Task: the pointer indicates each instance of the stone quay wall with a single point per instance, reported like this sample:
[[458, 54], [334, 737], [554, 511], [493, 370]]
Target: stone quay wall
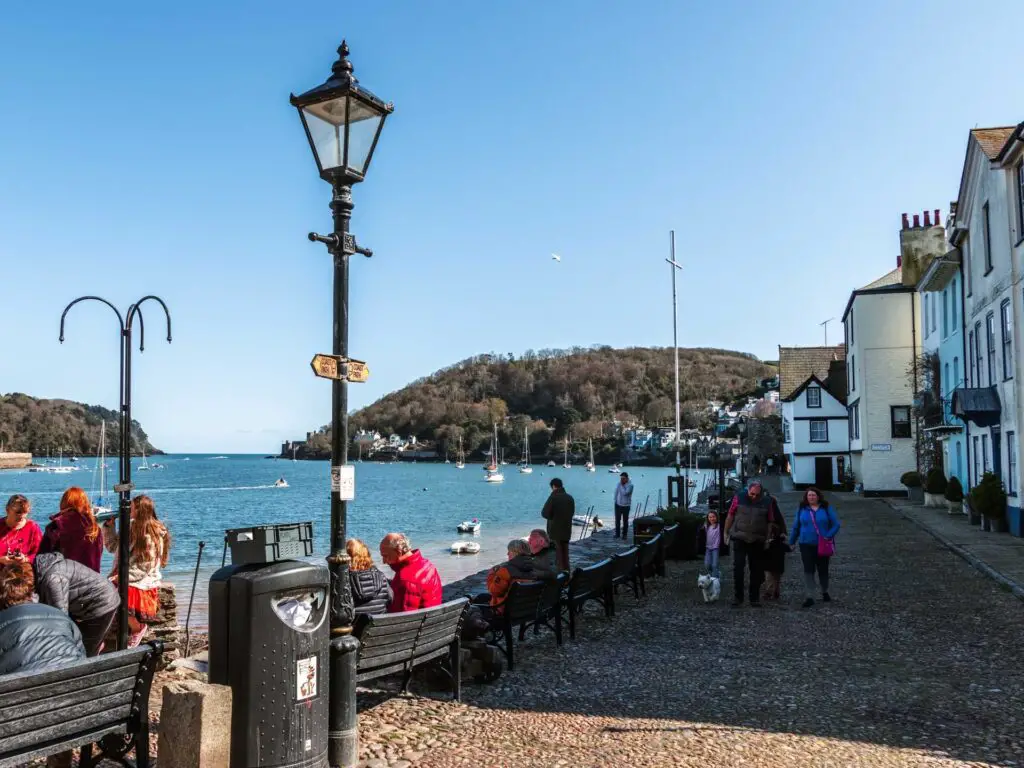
[[15, 460]]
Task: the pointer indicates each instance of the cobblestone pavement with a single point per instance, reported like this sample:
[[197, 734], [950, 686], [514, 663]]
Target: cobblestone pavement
[[916, 662]]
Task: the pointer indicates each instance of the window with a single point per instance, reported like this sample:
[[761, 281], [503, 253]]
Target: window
[[819, 431], [945, 313], [1020, 199], [856, 421], [926, 323], [853, 372], [814, 397], [977, 352], [977, 455], [984, 454], [1007, 324], [1011, 462], [934, 312], [956, 373], [849, 420], [851, 326], [900, 417], [944, 385], [965, 251], [972, 379], [954, 320], [986, 233], [786, 436], [959, 460], [990, 331]]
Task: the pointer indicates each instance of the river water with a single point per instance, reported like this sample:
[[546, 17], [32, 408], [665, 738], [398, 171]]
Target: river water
[[199, 496]]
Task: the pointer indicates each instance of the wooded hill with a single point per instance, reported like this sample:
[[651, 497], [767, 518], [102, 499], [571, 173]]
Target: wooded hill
[[555, 392], [30, 425]]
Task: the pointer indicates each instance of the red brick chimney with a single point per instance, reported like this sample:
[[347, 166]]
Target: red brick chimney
[[917, 221], [927, 218], [906, 222]]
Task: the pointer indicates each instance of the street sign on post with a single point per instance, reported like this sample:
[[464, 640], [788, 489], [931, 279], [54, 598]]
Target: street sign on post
[[340, 368]]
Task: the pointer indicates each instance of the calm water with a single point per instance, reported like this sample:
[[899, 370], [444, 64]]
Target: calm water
[[199, 496]]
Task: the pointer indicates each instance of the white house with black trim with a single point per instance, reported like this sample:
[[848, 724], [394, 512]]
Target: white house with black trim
[[816, 432]]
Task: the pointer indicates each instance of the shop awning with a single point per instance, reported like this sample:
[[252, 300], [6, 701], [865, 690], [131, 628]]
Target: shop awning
[[980, 405]]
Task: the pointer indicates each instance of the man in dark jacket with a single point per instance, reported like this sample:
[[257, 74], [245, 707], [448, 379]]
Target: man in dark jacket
[[748, 525], [33, 636], [89, 599], [544, 563], [558, 511]]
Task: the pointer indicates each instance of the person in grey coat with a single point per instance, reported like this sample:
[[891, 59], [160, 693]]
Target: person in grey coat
[[33, 637], [89, 599]]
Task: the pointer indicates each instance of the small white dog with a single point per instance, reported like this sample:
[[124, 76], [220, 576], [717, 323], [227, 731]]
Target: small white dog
[[710, 586]]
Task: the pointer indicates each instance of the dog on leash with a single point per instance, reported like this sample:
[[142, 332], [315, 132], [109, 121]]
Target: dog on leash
[[710, 587]]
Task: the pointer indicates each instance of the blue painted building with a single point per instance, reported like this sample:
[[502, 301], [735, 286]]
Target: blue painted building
[[942, 323]]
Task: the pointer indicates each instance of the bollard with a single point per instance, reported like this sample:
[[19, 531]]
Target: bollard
[[195, 725]]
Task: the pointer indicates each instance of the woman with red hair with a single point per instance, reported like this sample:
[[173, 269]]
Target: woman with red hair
[[149, 546], [73, 531]]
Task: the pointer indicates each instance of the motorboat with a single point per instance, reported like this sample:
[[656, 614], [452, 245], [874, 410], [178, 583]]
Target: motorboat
[[281, 483], [551, 463], [468, 526], [494, 477], [465, 548], [615, 469]]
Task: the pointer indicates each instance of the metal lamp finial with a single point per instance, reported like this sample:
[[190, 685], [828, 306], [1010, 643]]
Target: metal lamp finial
[[343, 67]]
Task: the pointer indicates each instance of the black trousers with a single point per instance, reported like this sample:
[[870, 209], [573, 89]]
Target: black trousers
[[622, 515], [747, 556], [94, 630]]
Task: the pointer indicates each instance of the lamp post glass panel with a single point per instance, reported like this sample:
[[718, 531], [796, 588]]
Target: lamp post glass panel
[[741, 428], [342, 121]]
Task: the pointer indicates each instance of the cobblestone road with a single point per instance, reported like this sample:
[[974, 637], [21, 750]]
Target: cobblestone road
[[916, 662]]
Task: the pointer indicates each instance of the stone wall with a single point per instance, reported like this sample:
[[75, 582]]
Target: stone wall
[[15, 460]]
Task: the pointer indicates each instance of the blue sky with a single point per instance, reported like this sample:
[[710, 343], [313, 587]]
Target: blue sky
[[154, 150]]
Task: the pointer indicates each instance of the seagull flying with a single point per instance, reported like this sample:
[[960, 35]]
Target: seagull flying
[[556, 257]]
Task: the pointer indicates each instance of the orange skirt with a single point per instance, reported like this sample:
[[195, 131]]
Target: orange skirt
[[144, 605]]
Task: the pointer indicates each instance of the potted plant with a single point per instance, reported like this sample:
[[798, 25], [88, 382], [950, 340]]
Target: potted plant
[[849, 481], [989, 498], [912, 481], [934, 488], [954, 496]]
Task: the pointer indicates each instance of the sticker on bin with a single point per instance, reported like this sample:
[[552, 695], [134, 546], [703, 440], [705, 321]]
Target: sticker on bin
[[305, 678], [343, 482]]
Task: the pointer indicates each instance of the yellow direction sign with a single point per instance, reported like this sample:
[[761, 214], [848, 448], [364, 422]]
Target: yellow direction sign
[[340, 368]]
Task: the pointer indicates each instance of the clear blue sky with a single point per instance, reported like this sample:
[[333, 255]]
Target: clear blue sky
[[154, 150]]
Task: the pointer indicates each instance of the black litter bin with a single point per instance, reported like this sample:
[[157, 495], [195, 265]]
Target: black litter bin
[[269, 639], [646, 528]]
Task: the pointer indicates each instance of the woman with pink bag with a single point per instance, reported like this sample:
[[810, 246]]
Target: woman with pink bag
[[815, 528]]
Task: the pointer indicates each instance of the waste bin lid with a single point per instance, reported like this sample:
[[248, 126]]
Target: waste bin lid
[[648, 520], [282, 575]]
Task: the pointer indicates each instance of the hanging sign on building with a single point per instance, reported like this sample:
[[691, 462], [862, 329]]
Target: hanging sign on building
[[881, 446]]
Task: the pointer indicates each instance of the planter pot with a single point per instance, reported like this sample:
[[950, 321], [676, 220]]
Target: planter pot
[[972, 515], [915, 494], [955, 507], [996, 524], [965, 508], [934, 500]]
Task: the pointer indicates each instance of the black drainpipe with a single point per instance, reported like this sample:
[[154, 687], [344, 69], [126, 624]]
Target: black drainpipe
[[913, 357]]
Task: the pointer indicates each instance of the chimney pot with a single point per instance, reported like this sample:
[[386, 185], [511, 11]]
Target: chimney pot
[[906, 222], [899, 261], [927, 218], [917, 221], [936, 217]]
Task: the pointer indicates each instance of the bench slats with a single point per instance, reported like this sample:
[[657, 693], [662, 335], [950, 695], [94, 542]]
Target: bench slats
[[34, 707], [41, 691], [122, 659], [373, 673], [119, 702], [18, 758], [67, 728]]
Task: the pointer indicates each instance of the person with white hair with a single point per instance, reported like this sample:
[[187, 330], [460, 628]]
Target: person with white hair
[[416, 583], [518, 567]]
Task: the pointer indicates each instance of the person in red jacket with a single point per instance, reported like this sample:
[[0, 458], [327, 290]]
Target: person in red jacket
[[416, 583]]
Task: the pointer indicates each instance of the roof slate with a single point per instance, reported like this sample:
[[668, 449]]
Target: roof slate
[[797, 364], [991, 140], [892, 278]]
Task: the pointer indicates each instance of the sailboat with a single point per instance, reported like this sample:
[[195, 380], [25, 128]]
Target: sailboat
[[565, 462], [60, 468], [460, 462], [144, 467], [100, 504], [590, 464], [493, 473], [524, 463]]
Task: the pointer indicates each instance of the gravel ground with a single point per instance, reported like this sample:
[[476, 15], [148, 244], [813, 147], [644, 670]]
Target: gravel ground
[[914, 663]]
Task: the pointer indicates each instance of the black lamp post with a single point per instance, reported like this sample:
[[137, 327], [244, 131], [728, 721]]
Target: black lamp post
[[741, 428], [124, 486], [342, 121]]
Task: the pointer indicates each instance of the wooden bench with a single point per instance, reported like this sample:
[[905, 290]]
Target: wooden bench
[[668, 539], [646, 561], [528, 604], [393, 643], [594, 582], [103, 700], [624, 571]]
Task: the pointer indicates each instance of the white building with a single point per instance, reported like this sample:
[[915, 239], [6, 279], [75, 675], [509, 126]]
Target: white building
[[883, 343], [816, 434], [987, 228]]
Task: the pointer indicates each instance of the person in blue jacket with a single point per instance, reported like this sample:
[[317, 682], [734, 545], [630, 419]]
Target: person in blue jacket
[[815, 520]]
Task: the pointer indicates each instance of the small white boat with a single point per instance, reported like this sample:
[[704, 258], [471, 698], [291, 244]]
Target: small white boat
[[524, 463], [62, 470], [144, 467], [615, 469], [281, 483], [465, 548], [460, 461], [565, 462], [591, 467], [551, 463], [468, 526], [493, 473], [494, 477]]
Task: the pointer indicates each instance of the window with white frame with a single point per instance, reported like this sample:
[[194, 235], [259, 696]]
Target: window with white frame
[[1006, 321], [985, 466], [965, 251], [986, 233], [977, 458], [900, 418], [853, 368], [856, 421], [814, 397], [1020, 199], [956, 374], [927, 324], [944, 385], [819, 431], [977, 352], [934, 312], [972, 377], [990, 331], [787, 436], [945, 312], [1011, 462]]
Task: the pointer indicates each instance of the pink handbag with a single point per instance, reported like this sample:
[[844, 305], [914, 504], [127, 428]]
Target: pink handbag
[[826, 547]]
